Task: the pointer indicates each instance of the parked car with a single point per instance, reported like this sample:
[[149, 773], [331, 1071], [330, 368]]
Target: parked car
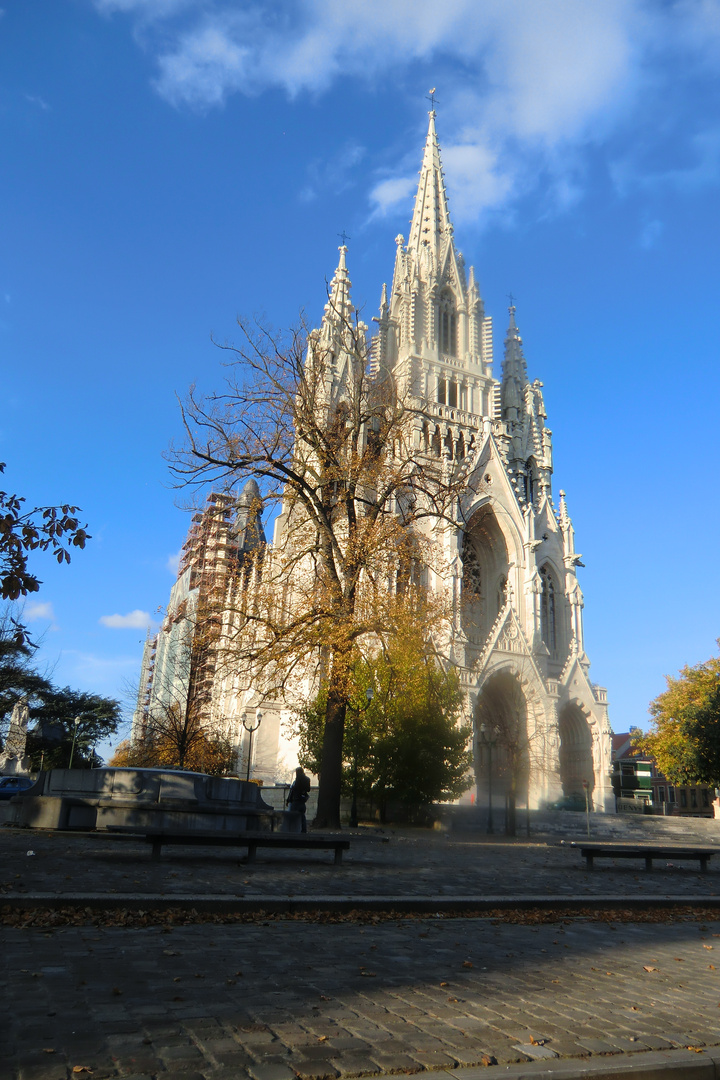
[[568, 802], [14, 785]]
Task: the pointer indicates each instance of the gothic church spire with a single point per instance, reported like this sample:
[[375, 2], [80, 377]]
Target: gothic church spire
[[430, 223], [514, 372]]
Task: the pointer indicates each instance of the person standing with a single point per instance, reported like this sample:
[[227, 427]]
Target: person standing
[[298, 796]]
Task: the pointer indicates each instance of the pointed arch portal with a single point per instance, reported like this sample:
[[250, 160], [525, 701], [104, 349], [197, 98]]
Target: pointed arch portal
[[576, 757], [502, 705]]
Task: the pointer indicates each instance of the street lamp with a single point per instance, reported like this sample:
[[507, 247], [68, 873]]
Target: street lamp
[[369, 694], [76, 721], [488, 739], [251, 728]]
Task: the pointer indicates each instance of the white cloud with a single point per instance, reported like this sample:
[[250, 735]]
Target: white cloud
[[525, 86], [134, 620], [35, 99], [173, 563], [36, 611], [651, 234]]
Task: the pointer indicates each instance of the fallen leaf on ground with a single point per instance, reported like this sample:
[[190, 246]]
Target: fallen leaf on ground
[[48, 1050], [81, 1069], [707, 946], [467, 963], [649, 967]]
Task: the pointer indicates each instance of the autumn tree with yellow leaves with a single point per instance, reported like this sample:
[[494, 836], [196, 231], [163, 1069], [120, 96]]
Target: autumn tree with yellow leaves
[[685, 729], [338, 450]]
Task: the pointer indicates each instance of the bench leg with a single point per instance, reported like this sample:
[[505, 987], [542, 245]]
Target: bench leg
[[648, 862], [338, 856], [156, 850]]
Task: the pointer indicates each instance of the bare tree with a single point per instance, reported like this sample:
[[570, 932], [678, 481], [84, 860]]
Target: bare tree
[[340, 449]]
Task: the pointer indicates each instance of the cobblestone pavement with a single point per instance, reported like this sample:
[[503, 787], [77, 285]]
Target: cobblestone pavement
[[419, 863], [281, 1000]]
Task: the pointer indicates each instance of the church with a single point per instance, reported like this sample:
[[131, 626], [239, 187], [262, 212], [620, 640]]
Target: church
[[510, 579]]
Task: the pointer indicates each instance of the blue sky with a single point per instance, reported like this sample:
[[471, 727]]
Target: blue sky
[[166, 165]]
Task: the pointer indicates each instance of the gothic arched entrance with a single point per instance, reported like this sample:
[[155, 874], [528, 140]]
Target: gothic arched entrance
[[485, 569], [576, 758], [502, 709]]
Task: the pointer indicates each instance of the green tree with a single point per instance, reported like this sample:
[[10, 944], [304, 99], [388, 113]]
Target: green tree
[[684, 737], [407, 744], [53, 714]]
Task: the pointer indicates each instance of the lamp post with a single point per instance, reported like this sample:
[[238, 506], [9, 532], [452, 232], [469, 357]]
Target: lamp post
[[76, 721], [251, 728], [487, 740], [369, 694]]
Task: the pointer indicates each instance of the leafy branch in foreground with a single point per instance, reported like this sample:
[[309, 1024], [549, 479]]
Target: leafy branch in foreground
[[53, 528]]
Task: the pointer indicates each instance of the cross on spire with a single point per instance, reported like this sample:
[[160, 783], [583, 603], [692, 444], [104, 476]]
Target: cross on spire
[[344, 237], [431, 98], [512, 299]]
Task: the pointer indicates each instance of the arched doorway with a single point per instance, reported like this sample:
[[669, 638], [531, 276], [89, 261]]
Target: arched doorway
[[576, 759], [503, 767], [485, 570]]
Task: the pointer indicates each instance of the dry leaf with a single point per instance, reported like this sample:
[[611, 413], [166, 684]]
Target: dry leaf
[[487, 1059], [81, 1069], [649, 967], [48, 1050], [176, 979], [707, 946], [467, 963], [634, 1008], [322, 1038], [695, 1049], [711, 967], [443, 984], [679, 959]]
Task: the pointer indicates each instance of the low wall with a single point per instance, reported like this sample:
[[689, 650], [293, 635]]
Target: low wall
[[139, 798]]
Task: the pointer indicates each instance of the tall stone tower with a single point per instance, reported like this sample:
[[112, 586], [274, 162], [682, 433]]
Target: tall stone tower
[[517, 638]]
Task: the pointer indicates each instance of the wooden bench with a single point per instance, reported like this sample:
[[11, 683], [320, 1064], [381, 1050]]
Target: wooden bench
[[648, 852], [251, 840]]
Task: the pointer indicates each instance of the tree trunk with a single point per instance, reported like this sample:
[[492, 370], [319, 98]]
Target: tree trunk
[[329, 790]]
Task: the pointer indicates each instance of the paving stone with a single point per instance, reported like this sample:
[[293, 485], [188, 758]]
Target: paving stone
[[535, 1053], [270, 1072]]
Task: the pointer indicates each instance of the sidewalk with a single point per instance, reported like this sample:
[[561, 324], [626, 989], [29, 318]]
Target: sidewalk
[[281, 999]]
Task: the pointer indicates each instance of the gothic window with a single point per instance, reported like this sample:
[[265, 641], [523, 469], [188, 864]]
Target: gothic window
[[452, 395], [460, 447], [529, 479], [449, 442], [436, 442], [501, 595], [425, 435], [442, 391], [448, 324], [547, 611]]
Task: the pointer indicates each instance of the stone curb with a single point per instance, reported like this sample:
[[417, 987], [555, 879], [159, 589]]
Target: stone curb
[[427, 905], [648, 1065]]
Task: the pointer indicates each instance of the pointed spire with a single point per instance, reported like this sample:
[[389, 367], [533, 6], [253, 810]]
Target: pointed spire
[[514, 371], [338, 310], [431, 217]]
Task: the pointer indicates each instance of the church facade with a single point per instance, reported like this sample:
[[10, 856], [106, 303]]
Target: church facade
[[510, 576]]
